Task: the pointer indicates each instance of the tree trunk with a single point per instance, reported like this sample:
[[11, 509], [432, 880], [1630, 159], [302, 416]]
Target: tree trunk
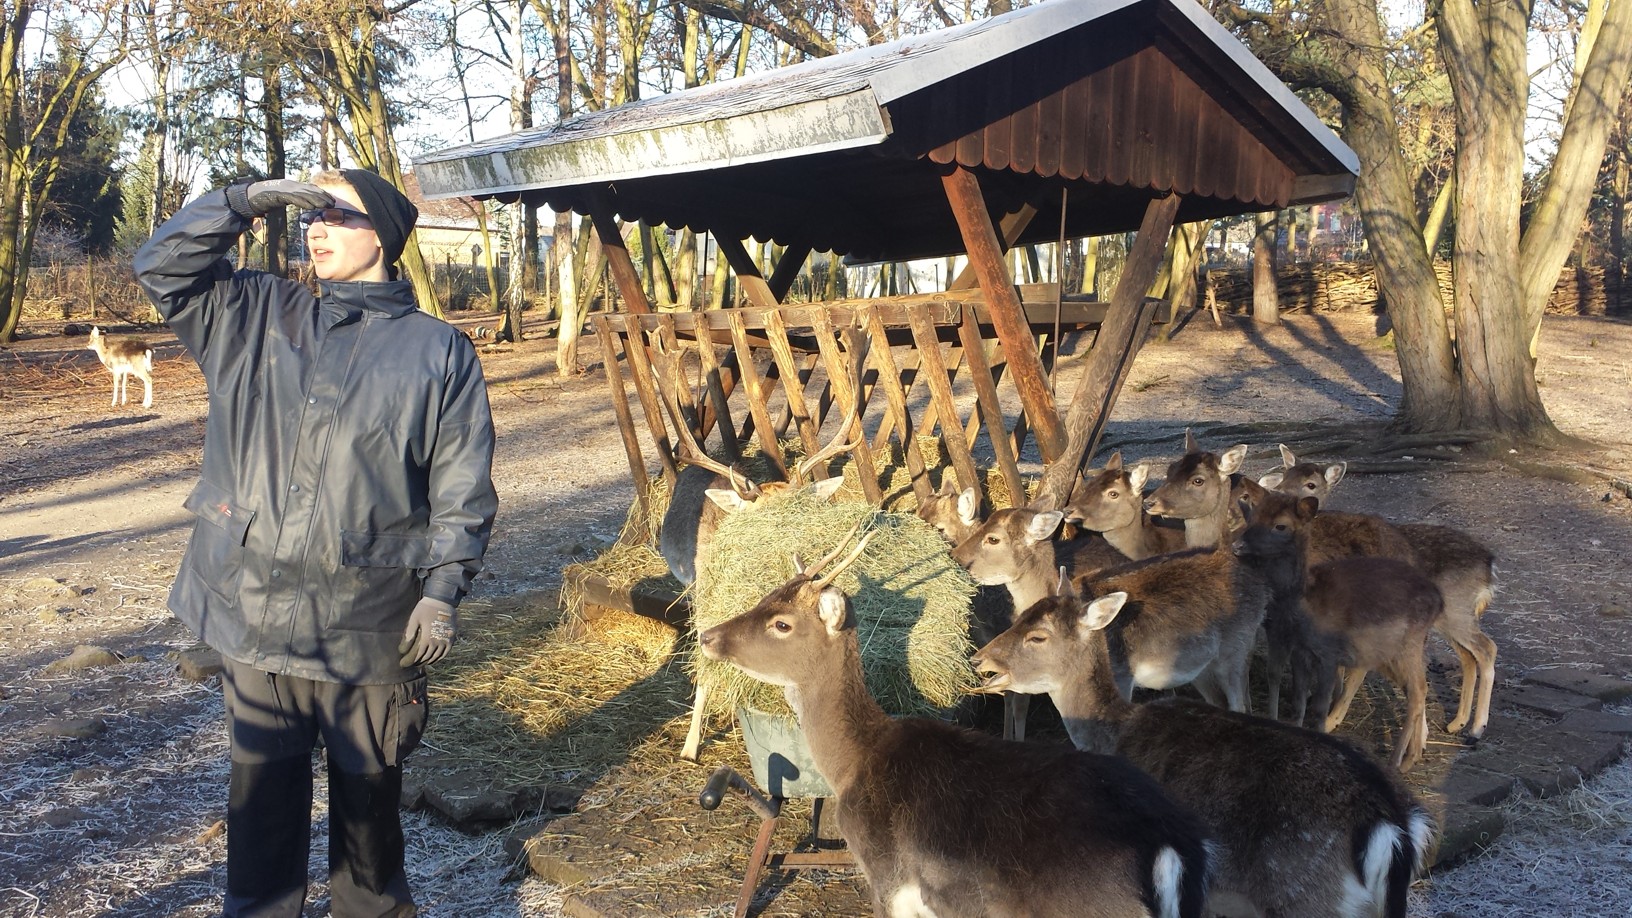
[[277, 219], [1266, 304]]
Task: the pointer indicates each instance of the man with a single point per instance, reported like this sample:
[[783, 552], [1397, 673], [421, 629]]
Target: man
[[343, 508]]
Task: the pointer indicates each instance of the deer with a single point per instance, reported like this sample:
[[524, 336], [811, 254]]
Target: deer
[[1112, 503], [124, 358], [949, 822], [1015, 548], [705, 492], [1461, 566], [953, 513], [1307, 824], [1198, 491]]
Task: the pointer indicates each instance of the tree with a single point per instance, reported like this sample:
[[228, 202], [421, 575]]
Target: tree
[[39, 100]]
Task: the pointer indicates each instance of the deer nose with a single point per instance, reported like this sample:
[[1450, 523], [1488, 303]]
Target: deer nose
[[709, 643]]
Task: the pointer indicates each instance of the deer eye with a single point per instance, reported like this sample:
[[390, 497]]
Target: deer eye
[[1280, 527], [1308, 486], [1037, 637], [993, 540], [1198, 481], [1113, 495], [782, 626]]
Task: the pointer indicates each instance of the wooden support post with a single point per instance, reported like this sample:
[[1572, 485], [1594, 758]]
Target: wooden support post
[[1012, 226], [1110, 360], [787, 269], [617, 256], [678, 390], [759, 293], [757, 407], [610, 345], [1003, 303], [940, 391]]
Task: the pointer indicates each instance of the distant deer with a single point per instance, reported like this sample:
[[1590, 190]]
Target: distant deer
[[705, 492], [1462, 567], [1198, 491], [952, 823], [1015, 548], [953, 513], [1112, 504], [124, 358], [1307, 824]]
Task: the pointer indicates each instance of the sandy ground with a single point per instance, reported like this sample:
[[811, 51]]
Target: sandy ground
[[113, 778]]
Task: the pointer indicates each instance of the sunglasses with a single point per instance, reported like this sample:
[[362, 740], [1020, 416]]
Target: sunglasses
[[331, 216]]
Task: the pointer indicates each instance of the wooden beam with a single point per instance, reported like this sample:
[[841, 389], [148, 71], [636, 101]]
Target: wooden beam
[[896, 395], [1114, 349], [793, 382], [747, 271], [940, 392], [1012, 225], [617, 256], [757, 408], [610, 345], [640, 368], [787, 269], [719, 398], [1008, 317], [987, 402]]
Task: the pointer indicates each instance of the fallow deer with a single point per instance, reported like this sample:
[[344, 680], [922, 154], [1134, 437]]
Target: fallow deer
[[124, 358], [1112, 504], [1307, 824], [1015, 548], [951, 823], [955, 514], [1198, 491], [1303, 479]]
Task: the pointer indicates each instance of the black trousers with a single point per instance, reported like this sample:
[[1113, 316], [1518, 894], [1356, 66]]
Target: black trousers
[[275, 722]]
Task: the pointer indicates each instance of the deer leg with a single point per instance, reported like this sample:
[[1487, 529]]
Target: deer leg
[[1477, 653], [1206, 682], [694, 735], [1411, 675], [147, 390], [1353, 678], [115, 402]]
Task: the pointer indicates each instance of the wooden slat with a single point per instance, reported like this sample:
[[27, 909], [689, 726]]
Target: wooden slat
[[611, 344], [1023, 122], [1050, 117], [793, 382], [641, 369], [1114, 349], [949, 366], [986, 398], [883, 357], [617, 256], [679, 390], [1097, 130], [968, 206], [998, 99], [842, 371], [1073, 148], [1124, 89], [940, 392], [758, 404], [747, 271], [718, 398], [907, 374], [787, 269]]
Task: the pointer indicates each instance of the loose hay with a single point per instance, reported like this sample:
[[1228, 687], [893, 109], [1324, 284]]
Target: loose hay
[[911, 601]]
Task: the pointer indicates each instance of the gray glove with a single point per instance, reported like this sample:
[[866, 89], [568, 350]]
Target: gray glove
[[432, 627], [256, 198]]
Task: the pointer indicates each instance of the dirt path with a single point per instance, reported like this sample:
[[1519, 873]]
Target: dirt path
[[113, 778]]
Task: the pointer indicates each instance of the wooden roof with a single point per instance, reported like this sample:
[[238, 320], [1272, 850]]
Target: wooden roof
[[1104, 103]]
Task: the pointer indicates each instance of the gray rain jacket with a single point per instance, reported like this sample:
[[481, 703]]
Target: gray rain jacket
[[347, 458]]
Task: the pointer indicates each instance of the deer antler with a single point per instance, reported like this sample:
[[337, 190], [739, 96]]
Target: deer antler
[[811, 571], [827, 578], [837, 445], [689, 450]]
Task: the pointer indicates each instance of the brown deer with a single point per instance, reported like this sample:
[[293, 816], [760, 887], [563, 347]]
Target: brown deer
[[1307, 824], [1381, 611], [1304, 479], [705, 492], [124, 358], [945, 821], [1197, 490], [1015, 548], [1112, 504], [1462, 567], [955, 514]]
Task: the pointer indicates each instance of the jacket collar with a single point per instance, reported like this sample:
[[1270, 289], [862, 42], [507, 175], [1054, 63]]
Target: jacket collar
[[347, 301]]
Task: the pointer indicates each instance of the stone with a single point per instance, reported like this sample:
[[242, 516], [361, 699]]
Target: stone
[[1468, 831], [195, 664], [1604, 687], [1468, 785], [1596, 722], [1548, 760], [85, 656], [72, 728], [1549, 701]]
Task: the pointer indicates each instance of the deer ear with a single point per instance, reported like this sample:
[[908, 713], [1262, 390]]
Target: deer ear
[[825, 489], [1042, 525], [968, 507], [1308, 507], [1064, 588], [833, 609], [727, 499], [1334, 473], [1138, 477], [949, 487], [1115, 462], [1190, 445], [1230, 462], [1288, 459], [1273, 479], [1102, 611]]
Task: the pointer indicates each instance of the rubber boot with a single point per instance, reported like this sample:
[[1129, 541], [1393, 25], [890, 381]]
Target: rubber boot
[[269, 818], [366, 847]]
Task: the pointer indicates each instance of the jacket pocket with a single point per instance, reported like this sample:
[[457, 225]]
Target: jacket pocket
[[215, 555], [378, 581], [384, 549]]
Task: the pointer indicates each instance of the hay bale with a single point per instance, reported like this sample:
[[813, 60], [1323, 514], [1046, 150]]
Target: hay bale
[[911, 601]]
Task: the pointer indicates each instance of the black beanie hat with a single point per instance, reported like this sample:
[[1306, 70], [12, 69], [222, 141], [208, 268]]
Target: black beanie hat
[[392, 214]]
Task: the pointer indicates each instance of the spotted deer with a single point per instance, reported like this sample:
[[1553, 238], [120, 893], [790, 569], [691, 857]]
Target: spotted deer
[[1112, 504], [952, 823], [124, 358], [1198, 491], [1307, 824], [1460, 565]]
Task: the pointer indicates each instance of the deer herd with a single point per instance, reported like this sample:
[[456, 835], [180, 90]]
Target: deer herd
[[1166, 807]]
